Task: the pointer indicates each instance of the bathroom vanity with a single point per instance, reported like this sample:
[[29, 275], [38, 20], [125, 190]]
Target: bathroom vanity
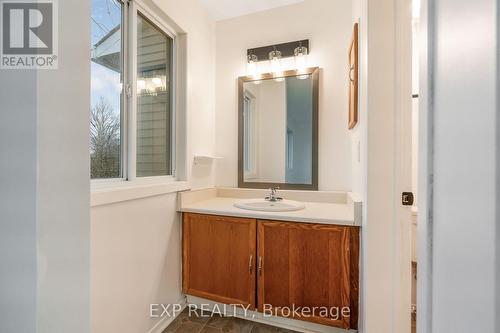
[[290, 254], [274, 260]]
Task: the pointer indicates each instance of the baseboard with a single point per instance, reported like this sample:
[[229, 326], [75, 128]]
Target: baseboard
[[163, 323], [286, 323]]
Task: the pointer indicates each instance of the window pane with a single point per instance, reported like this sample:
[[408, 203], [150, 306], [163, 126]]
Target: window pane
[[106, 89], [154, 111]]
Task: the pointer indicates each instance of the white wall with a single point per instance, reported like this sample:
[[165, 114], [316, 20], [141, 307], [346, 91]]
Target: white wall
[[460, 96], [44, 191], [189, 17], [136, 260], [358, 133], [136, 244], [327, 24], [18, 178], [359, 136], [63, 182]]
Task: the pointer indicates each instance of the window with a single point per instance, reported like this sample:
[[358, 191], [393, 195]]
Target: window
[[125, 121], [289, 149], [154, 77], [249, 136], [106, 89]]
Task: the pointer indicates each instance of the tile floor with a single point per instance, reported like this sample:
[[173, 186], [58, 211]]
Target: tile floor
[[185, 323]]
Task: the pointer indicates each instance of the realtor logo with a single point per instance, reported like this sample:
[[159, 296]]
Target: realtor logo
[[28, 34]]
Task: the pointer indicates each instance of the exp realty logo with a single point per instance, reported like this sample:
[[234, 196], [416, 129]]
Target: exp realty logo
[[28, 34]]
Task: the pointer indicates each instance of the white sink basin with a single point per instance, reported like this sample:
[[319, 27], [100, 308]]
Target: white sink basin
[[270, 206]]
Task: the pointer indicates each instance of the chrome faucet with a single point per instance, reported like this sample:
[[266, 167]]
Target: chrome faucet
[[273, 195]]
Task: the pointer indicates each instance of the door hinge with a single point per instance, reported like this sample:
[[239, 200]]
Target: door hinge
[[407, 199]]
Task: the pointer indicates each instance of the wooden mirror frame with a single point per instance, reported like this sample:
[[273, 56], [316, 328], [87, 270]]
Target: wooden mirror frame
[[314, 72]]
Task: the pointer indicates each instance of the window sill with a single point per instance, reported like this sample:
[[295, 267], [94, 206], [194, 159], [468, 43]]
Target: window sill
[[120, 191]]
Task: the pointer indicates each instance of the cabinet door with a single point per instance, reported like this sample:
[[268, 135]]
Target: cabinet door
[[308, 266], [219, 258]]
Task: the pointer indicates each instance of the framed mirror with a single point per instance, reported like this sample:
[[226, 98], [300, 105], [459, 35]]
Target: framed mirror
[[278, 130]]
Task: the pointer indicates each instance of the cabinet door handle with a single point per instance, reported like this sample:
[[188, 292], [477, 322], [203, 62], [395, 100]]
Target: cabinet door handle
[[250, 264], [260, 265]]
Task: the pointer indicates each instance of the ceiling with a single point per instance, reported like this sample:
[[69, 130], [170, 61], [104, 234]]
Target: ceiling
[[225, 9]]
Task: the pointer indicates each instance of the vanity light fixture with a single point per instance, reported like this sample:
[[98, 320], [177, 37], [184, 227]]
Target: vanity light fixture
[[274, 53]]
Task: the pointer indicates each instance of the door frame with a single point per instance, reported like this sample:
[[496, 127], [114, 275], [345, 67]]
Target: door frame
[[425, 162], [425, 166], [403, 166], [385, 106]]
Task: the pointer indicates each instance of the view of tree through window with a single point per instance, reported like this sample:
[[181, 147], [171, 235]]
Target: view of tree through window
[[106, 89]]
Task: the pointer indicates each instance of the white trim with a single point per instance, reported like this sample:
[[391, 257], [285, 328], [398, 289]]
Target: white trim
[[163, 323], [124, 100], [181, 114], [103, 184], [286, 323], [132, 100], [126, 191], [153, 16]]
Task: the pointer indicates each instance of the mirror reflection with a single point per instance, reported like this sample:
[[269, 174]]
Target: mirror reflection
[[278, 130]]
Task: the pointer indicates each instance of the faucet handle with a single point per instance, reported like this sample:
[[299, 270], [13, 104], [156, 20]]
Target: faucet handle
[[272, 195]]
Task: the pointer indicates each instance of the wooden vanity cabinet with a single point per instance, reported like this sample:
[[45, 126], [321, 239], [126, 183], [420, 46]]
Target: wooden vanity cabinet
[[273, 265], [313, 266], [219, 258]]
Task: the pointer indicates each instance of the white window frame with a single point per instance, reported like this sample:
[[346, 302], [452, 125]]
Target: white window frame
[[128, 132], [252, 154]]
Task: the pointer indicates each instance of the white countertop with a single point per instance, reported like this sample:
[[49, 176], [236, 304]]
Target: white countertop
[[329, 208]]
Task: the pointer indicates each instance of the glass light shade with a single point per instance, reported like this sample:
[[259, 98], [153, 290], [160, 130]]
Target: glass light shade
[[251, 69], [300, 54], [275, 58], [252, 65]]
